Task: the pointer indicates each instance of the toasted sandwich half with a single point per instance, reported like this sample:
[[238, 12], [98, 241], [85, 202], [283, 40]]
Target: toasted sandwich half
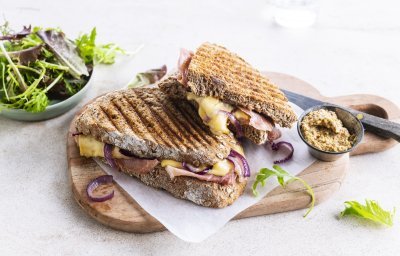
[[162, 142], [229, 93]]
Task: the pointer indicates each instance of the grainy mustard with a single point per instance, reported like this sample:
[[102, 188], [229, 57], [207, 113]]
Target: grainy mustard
[[325, 131]]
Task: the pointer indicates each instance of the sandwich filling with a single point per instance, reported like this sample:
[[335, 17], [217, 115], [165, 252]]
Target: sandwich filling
[[216, 114], [223, 172]]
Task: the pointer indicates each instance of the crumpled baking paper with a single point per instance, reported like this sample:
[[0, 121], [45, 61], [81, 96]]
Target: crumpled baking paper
[[194, 223]]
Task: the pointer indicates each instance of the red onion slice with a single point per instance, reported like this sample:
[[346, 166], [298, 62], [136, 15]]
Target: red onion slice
[[194, 169], [242, 160], [277, 146], [76, 133], [235, 122], [108, 155], [238, 167], [274, 134], [102, 180]]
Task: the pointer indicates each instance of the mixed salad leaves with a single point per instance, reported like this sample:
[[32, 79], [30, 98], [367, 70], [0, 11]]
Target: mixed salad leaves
[[39, 65]]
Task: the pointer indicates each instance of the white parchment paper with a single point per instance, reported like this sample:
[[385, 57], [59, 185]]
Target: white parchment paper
[[194, 223]]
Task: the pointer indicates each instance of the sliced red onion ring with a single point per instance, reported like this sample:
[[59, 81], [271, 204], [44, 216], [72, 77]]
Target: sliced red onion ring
[[235, 122], [277, 146], [238, 167], [242, 161], [129, 154], [102, 180], [274, 134], [194, 169], [108, 155], [76, 133]]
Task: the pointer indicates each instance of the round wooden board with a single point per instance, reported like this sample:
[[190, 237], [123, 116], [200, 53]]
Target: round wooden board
[[123, 213]]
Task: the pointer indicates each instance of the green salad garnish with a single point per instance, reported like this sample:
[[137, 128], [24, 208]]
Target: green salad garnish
[[38, 66], [371, 211], [284, 178]]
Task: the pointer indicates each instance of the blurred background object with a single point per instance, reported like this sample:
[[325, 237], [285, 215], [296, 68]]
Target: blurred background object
[[295, 13]]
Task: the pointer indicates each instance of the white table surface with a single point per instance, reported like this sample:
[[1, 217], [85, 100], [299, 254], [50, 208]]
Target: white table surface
[[353, 48]]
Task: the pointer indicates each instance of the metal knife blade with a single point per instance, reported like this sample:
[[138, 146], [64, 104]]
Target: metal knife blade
[[377, 125], [302, 101]]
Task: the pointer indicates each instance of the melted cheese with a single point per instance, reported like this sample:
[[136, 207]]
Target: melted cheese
[[209, 111], [240, 115], [172, 163], [219, 169], [90, 147], [237, 147]]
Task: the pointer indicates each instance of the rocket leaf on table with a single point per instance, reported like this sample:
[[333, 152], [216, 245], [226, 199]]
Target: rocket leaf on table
[[371, 211]]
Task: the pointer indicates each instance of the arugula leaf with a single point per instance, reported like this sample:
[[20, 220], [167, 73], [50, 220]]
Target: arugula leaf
[[95, 54], [86, 44], [106, 53], [371, 211], [284, 178], [20, 79]]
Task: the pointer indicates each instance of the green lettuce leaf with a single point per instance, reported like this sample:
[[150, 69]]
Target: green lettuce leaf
[[371, 211], [284, 178], [94, 54]]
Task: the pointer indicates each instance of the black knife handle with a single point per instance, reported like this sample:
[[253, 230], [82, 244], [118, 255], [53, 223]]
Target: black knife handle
[[377, 125]]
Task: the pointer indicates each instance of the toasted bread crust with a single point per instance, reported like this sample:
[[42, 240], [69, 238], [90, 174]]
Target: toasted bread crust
[[215, 71], [256, 136], [150, 124], [200, 192]]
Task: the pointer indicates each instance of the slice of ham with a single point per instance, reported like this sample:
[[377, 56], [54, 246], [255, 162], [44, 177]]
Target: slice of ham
[[223, 180], [136, 165], [185, 57], [258, 121]]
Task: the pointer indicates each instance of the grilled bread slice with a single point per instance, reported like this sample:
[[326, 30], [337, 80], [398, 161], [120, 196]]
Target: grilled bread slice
[[215, 71], [150, 124]]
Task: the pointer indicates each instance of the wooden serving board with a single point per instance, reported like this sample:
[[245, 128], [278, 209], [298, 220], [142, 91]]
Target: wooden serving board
[[123, 213]]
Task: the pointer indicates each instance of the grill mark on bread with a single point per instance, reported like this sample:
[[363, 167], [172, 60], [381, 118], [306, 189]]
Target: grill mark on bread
[[147, 121], [255, 91], [117, 102], [189, 130], [194, 143], [105, 116], [177, 125], [138, 128], [120, 118], [215, 71], [167, 128], [198, 126]]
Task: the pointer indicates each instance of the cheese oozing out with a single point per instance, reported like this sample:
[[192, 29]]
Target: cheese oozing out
[[210, 111], [221, 168], [90, 147]]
